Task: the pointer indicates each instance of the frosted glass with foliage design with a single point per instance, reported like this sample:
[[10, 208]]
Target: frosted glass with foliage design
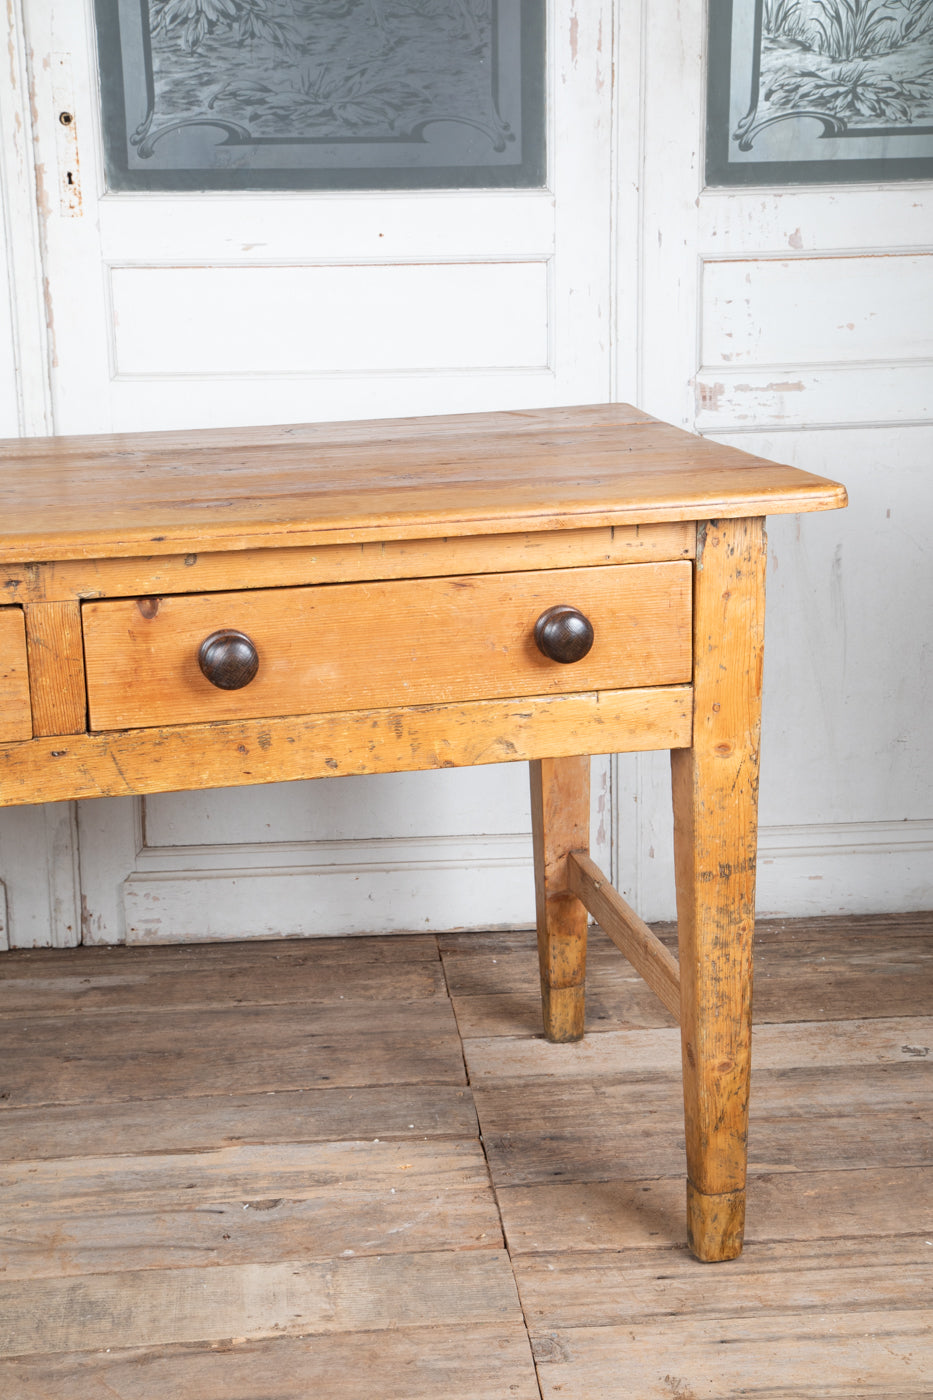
[[819, 90], [322, 93]]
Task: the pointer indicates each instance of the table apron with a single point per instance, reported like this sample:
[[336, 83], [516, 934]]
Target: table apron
[[238, 752]]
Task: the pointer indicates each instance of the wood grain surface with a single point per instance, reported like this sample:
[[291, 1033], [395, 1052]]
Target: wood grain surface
[[812, 977], [15, 719], [631, 935], [402, 1363], [345, 563], [223, 1175], [806, 1355], [715, 792], [235, 752], [560, 824], [384, 644], [139, 1307], [56, 668], [541, 469]]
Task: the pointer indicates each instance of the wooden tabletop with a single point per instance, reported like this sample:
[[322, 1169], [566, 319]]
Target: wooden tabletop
[[406, 478]]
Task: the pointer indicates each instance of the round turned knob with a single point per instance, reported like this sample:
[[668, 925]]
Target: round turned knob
[[564, 634], [228, 659]]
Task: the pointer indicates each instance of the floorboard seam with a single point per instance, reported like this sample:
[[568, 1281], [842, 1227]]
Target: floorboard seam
[[492, 1184]]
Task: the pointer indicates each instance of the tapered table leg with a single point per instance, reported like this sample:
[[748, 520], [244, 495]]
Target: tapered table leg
[[560, 820], [715, 790]]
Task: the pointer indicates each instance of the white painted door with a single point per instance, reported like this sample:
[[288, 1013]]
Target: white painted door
[[201, 309], [794, 322]]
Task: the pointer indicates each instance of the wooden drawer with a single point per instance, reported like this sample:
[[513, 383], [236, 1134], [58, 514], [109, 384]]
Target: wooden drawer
[[15, 717], [383, 645]]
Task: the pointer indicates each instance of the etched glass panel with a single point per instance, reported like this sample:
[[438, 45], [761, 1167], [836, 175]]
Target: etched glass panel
[[322, 94], [807, 91]]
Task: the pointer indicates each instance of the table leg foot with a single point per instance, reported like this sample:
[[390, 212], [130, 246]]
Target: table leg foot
[[563, 1010], [715, 1224]]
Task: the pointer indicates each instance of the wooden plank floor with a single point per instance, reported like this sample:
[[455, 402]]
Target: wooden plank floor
[[351, 1169]]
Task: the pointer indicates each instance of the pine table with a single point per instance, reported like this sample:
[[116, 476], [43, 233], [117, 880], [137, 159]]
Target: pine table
[[202, 609]]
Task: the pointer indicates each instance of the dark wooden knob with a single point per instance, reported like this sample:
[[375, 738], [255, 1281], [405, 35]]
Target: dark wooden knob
[[564, 634], [228, 659]]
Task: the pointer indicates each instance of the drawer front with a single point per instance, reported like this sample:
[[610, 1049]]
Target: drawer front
[[15, 716], [384, 645]]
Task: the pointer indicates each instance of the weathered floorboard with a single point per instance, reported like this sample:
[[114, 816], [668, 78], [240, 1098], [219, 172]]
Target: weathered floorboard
[[609, 1288], [895, 1041], [61, 984], [113, 1057], [818, 1355], [242, 1174], [199, 1123], [245, 1205], [608, 1215], [148, 1306], [542, 1129], [413, 1363], [195, 1229], [805, 970], [286, 1195]]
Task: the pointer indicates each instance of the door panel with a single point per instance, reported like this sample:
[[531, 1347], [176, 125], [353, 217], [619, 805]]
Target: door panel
[[226, 308], [336, 856], [259, 320], [171, 310], [794, 323]]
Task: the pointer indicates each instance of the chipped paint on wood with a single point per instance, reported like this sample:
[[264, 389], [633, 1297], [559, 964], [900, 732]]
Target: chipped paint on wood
[[27, 408], [66, 137]]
